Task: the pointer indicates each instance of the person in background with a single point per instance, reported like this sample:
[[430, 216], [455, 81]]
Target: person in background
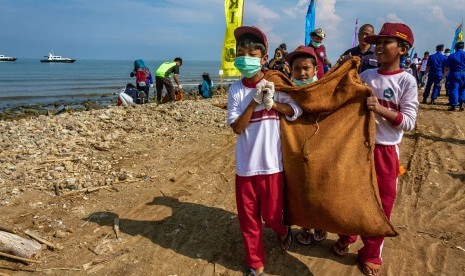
[[143, 76], [279, 63], [395, 104], [447, 80], [283, 48], [316, 43], [365, 51], [435, 71], [254, 111], [455, 68], [303, 71], [206, 88], [163, 78], [422, 68]]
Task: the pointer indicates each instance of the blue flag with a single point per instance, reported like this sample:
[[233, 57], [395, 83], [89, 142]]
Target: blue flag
[[458, 36], [310, 21]]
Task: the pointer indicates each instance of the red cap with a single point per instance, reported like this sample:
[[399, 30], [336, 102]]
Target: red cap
[[301, 50], [240, 31], [396, 30]]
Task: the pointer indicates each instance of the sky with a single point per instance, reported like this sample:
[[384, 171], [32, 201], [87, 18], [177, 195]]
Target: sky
[[194, 29]]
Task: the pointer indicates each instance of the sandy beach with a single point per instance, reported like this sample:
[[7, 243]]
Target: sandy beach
[[168, 175]]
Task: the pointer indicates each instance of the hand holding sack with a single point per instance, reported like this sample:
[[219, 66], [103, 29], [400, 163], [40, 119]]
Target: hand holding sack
[[268, 94]]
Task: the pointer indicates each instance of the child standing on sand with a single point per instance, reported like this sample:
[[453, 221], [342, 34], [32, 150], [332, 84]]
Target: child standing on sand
[[254, 109], [303, 63], [395, 104]]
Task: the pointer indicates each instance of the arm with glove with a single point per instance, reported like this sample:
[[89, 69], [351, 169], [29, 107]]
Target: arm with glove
[[267, 89]]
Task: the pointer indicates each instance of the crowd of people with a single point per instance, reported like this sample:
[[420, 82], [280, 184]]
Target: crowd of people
[[254, 109]]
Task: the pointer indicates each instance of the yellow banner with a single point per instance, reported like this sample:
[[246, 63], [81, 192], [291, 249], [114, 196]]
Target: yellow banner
[[233, 10]]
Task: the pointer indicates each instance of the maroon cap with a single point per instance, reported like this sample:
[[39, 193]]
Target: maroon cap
[[301, 51], [396, 30], [240, 31]]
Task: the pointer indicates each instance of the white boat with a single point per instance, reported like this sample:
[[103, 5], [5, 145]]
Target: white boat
[[53, 58], [4, 58]]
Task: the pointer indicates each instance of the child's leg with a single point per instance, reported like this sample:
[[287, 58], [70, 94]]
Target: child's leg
[[387, 168], [270, 195], [250, 221]]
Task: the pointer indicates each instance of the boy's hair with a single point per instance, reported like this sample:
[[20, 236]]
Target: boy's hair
[[365, 26], [178, 59], [251, 42], [252, 38], [403, 43]]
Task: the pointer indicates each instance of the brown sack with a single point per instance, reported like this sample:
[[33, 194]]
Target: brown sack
[[328, 155], [178, 96]]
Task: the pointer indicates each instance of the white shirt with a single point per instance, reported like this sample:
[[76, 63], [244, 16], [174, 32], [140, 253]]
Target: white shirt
[[398, 92], [258, 148]]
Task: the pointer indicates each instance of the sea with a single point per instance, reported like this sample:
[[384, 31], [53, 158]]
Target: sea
[[30, 82]]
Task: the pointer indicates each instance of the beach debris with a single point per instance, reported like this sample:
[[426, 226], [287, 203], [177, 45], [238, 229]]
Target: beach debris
[[116, 227], [61, 109], [18, 246], [38, 238], [460, 248], [9, 228]]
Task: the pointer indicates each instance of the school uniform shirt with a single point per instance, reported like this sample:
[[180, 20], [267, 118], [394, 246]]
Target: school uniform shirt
[[398, 92], [424, 62], [258, 148], [368, 59]]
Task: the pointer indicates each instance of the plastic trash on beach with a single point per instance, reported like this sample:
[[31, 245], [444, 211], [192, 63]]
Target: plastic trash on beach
[[125, 100], [60, 110]]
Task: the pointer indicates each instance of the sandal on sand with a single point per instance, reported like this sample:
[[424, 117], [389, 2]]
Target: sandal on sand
[[341, 249], [320, 235], [371, 269], [288, 240], [304, 236], [252, 272]]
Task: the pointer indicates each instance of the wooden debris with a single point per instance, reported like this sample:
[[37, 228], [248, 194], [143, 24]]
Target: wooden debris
[[116, 227], [36, 236], [7, 228], [26, 260], [88, 265], [19, 246]]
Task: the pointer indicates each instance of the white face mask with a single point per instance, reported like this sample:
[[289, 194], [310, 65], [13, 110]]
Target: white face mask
[[305, 82], [447, 54]]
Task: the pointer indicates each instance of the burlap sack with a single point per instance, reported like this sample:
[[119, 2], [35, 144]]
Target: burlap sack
[[328, 155], [178, 96]]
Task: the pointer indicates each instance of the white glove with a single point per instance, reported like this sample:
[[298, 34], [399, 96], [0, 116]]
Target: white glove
[[258, 97], [151, 85], [180, 86], [268, 94]]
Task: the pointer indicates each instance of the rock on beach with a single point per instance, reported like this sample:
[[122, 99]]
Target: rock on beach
[[64, 151]]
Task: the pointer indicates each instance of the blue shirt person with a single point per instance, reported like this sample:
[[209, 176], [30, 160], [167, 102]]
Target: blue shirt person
[[435, 69], [455, 66], [206, 88]]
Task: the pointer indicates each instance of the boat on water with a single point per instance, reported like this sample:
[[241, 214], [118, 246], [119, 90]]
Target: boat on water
[[53, 58], [4, 58]]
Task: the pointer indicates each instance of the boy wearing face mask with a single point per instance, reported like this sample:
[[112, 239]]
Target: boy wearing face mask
[[303, 63], [254, 109]]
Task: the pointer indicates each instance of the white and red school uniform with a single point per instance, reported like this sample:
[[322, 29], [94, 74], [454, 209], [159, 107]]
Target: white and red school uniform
[[259, 168], [398, 92]]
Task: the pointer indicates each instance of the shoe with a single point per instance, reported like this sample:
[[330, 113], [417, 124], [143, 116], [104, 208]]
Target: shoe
[[432, 102], [452, 108], [424, 101], [461, 108]]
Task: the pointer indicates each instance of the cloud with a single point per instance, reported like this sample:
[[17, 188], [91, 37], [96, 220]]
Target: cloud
[[297, 10], [437, 13]]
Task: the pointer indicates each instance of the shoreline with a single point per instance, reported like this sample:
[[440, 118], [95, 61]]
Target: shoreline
[[22, 111]]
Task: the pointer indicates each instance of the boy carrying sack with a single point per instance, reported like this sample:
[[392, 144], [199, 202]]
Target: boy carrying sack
[[254, 109], [395, 105]]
